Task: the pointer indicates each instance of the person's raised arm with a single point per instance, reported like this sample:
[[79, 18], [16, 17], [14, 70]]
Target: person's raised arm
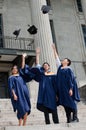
[[23, 60], [56, 55], [55, 52], [37, 55]]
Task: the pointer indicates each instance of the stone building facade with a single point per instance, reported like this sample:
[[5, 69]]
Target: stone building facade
[[65, 25]]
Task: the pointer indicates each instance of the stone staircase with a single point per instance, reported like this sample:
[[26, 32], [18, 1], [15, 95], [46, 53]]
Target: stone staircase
[[8, 119]]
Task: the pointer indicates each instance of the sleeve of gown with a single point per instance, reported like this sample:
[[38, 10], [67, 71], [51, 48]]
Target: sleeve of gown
[[74, 85], [26, 73], [38, 66], [10, 86], [55, 84], [70, 78], [58, 62], [37, 71]]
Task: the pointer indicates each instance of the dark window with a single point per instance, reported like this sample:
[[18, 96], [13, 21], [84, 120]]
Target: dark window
[[4, 85], [48, 2], [1, 31], [79, 5], [84, 32], [53, 31]]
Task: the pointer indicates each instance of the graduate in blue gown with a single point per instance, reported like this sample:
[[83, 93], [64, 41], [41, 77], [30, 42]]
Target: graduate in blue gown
[[19, 93], [47, 100], [67, 88]]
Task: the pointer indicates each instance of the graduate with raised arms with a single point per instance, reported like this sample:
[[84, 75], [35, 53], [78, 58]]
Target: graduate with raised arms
[[19, 92], [67, 88], [47, 98]]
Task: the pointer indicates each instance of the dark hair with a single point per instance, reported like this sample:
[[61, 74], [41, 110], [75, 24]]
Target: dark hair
[[69, 61], [45, 63], [16, 66]]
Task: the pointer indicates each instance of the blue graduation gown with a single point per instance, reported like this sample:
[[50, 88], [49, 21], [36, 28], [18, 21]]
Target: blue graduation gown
[[18, 84], [65, 82], [26, 74], [47, 90]]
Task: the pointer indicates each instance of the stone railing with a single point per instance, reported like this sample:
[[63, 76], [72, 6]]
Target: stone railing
[[20, 43]]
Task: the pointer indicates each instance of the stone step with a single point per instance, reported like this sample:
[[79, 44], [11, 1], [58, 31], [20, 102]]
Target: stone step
[[34, 111], [7, 103], [8, 117], [8, 106], [72, 126], [32, 120]]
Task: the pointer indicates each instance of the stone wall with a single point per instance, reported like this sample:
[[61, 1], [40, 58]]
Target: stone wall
[[69, 36], [16, 15]]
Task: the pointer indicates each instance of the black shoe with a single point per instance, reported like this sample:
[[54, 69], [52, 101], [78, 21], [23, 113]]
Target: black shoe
[[56, 122], [68, 121], [76, 120]]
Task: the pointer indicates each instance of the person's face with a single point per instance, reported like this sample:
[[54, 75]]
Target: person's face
[[46, 67], [65, 62], [14, 70]]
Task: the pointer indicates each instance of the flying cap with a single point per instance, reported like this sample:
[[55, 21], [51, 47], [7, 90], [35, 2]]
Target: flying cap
[[32, 29], [45, 9]]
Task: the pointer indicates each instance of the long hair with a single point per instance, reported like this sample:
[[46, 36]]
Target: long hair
[[14, 66]]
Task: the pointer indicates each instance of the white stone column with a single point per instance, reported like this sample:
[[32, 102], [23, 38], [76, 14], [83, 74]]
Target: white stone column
[[84, 7], [43, 38]]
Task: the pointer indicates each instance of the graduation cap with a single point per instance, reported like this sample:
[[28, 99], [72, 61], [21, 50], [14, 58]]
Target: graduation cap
[[16, 32], [32, 29], [45, 9]]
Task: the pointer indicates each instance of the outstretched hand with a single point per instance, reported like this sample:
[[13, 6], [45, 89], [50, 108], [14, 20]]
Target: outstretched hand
[[54, 50], [24, 55], [70, 92], [15, 97]]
